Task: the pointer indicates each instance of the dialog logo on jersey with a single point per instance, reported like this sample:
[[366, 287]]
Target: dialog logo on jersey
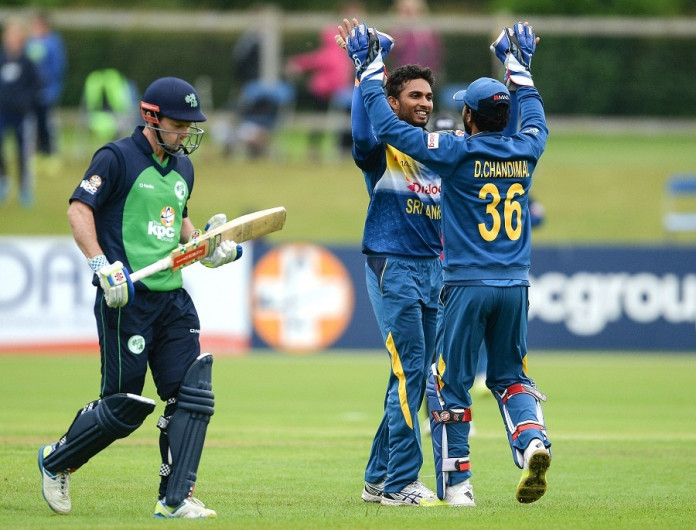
[[302, 298], [428, 189], [163, 230], [433, 140]]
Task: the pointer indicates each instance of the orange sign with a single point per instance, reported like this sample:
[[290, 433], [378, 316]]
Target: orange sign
[[302, 298]]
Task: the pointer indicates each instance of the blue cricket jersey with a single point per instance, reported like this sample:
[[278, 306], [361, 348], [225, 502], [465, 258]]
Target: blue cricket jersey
[[486, 180], [403, 218]]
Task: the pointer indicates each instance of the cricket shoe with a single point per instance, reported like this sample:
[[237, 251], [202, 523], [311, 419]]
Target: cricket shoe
[[190, 508], [55, 487], [461, 494], [532, 485], [372, 492], [415, 494]]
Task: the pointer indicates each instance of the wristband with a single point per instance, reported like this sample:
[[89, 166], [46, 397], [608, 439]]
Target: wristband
[[97, 262]]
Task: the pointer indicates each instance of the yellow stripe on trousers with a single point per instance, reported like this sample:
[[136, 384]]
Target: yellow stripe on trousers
[[399, 373]]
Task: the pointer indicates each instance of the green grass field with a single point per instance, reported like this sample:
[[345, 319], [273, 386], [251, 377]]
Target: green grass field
[[289, 440], [287, 446]]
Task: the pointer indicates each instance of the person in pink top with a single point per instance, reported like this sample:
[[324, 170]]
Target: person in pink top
[[330, 81]]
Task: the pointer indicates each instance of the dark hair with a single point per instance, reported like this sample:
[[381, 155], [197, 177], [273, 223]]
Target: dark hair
[[488, 123], [401, 75]]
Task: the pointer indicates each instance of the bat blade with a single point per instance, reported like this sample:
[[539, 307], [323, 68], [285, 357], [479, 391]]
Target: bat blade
[[244, 228]]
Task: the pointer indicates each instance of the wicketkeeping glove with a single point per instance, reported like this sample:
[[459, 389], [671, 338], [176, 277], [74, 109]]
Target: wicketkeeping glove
[[515, 47], [225, 251], [365, 50], [116, 283], [386, 42]]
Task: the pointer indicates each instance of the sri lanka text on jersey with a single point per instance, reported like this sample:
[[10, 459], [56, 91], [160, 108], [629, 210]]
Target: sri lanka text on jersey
[[414, 206], [490, 169]]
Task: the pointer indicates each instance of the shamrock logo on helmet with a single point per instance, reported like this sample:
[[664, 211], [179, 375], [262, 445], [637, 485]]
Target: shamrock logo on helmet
[[191, 100]]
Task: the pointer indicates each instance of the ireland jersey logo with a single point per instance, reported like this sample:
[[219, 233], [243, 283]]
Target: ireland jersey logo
[[180, 190], [136, 344]]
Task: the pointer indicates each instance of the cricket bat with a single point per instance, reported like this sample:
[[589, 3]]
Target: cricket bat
[[244, 228]]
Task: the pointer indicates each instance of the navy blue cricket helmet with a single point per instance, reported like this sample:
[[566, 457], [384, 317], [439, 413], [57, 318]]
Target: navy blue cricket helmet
[[173, 98]]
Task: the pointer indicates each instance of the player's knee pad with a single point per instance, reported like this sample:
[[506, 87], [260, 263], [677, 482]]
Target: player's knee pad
[[96, 426], [186, 429], [439, 419], [520, 407]]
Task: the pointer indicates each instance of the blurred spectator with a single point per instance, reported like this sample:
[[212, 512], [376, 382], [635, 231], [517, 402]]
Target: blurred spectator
[[443, 122], [414, 44], [259, 104], [20, 84], [246, 56], [110, 102], [46, 48], [330, 82], [260, 107]]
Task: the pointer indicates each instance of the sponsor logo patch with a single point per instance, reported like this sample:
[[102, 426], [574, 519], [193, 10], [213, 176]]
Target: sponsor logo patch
[[92, 184], [164, 230], [433, 140], [167, 216]]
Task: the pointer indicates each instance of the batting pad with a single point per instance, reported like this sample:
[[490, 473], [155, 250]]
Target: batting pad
[[187, 428], [95, 427]]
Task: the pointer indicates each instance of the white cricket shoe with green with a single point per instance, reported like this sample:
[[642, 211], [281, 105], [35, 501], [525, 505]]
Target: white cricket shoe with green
[[54, 487], [191, 508]]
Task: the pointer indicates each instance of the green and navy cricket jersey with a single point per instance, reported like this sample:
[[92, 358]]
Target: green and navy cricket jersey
[[486, 180], [138, 205]]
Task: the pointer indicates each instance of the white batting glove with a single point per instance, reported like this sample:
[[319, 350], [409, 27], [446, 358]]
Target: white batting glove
[[116, 283], [226, 252], [216, 220]]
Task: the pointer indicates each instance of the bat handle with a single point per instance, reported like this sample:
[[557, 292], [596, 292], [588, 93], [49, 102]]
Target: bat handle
[[157, 266]]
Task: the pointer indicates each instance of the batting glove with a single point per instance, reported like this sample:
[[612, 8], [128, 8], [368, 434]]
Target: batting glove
[[515, 47], [224, 251], [116, 284]]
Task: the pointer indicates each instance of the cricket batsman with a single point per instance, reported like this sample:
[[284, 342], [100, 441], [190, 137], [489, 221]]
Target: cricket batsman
[[129, 210]]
